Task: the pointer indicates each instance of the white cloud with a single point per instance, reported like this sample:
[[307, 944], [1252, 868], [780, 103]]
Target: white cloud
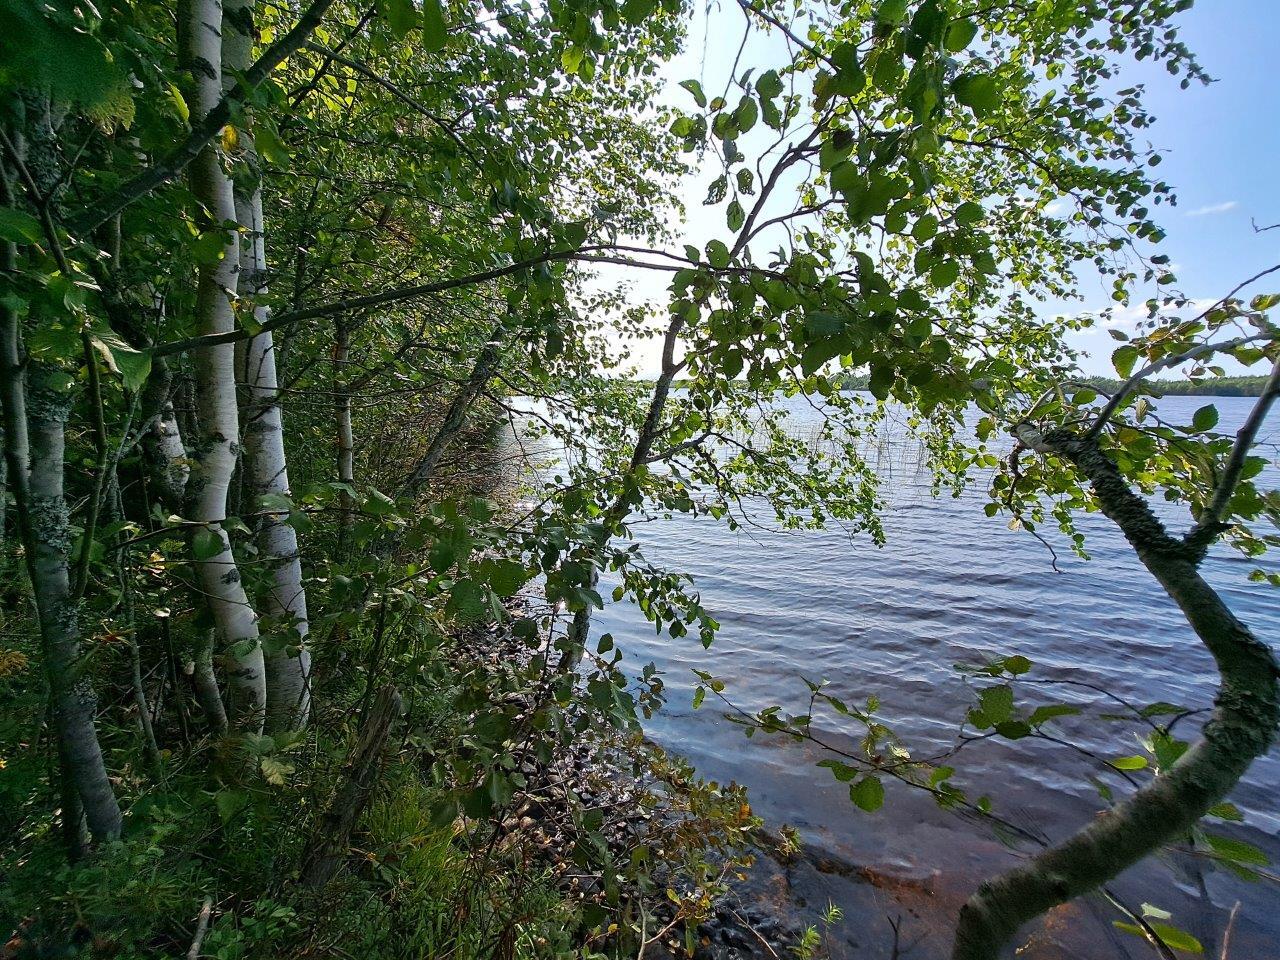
[[1127, 318], [1213, 208]]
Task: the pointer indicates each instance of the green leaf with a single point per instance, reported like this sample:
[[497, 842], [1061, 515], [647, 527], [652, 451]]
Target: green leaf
[[206, 544], [467, 601], [638, 11], [230, 802], [939, 775], [1123, 359], [1206, 418], [134, 366], [179, 104], [19, 227], [823, 324], [881, 381], [1236, 851], [846, 178], [210, 247], [1135, 762], [1178, 939], [769, 84], [717, 254], [699, 695], [571, 59], [505, 577], [1168, 750], [270, 146], [978, 91], [868, 794], [275, 770], [402, 17], [1043, 714], [1172, 936], [840, 770], [435, 32], [695, 88], [735, 216], [944, 273], [892, 11], [925, 227], [969, 212], [1015, 665], [500, 788], [996, 703], [1014, 729], [1226, 811], [960, 34]]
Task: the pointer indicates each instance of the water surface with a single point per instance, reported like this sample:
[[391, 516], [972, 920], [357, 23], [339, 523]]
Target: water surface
[[952, 585]]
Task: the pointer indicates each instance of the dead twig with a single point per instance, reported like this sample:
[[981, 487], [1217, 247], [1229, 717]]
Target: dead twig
[[202, 927]]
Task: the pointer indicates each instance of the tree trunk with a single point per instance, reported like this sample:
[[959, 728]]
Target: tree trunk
[[1245, 717], [266, 470], [204, 682], [36, 440], [34, 447], [163, 453], [216, 447], [580, 627], [331, 838], [456, 415]]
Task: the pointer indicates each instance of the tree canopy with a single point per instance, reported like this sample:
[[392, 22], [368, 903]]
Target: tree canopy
[[274, 273]]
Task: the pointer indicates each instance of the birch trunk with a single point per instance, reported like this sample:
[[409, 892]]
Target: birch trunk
[[265, 466], [216, 447], [164, 454], [1245, 717], [34, 434], [35, 450]]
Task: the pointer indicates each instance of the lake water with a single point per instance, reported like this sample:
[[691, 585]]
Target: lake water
[[951, 585]]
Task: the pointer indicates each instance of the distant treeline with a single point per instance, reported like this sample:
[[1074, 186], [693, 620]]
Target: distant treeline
[[1213, 387]]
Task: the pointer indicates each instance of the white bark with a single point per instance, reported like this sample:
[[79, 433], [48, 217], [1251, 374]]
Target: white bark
[[216, 446], [172, 466], [265, 465], [34, 453], [48, 543]]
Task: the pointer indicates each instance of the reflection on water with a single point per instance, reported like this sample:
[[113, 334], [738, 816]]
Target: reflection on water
[[951, 585]]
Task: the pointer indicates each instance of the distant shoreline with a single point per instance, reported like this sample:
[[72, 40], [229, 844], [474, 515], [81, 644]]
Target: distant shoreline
[[1215, 387]]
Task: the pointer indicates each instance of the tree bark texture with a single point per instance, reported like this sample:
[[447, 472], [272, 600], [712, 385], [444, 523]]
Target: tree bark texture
[[1244, 721], [217, 444], [288, 664]]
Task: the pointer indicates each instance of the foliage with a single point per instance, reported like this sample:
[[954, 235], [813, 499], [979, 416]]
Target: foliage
[[446, 196]]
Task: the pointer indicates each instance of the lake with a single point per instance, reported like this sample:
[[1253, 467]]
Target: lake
[[950, 585]]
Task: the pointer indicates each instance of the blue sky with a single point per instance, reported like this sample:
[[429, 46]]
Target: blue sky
[[1221, 146]]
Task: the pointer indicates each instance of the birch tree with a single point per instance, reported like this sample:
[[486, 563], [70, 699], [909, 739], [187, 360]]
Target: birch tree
[[288, 663], [217, 446]]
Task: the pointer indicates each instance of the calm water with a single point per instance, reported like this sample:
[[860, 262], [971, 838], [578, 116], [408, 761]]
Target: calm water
[[951, 585]]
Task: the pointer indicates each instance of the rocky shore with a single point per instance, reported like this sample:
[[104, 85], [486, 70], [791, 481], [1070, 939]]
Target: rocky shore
[[719, 885]]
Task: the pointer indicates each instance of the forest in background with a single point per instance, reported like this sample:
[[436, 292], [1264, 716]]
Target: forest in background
[[296, 662], [1209, 387]]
